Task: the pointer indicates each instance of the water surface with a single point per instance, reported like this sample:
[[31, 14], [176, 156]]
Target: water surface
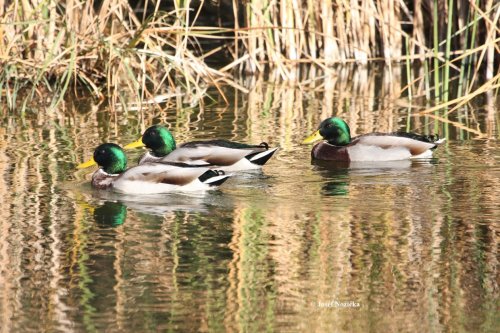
[[298, 246]]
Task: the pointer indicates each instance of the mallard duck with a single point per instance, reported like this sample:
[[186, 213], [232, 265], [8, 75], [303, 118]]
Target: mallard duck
[[221, 154], [368, 147], [148, 178]]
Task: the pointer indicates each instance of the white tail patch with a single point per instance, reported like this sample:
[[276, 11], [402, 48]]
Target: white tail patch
[[264, 153], [440, 141], [216, 179]]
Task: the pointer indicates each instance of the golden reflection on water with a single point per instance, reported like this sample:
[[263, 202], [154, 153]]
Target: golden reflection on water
[[404, 246]]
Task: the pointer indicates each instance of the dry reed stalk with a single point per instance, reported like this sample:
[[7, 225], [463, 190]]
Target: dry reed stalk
[[87, 45], [491, 32], [368, 26], [252, 42], [330, 32], [96, 47], [418, 31], [287, 31], [492, 84], [329, 43], [358, 41], [311, 27], [274, 43]]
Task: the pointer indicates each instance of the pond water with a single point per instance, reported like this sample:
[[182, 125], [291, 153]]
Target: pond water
[[298, 247]]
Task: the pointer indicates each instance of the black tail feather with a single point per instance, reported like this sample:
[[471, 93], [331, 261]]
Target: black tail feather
[[263, 145], [213, 173]]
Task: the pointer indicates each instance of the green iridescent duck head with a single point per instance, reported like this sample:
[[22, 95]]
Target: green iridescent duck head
[[110, 157], [334, 130], [156, 138]]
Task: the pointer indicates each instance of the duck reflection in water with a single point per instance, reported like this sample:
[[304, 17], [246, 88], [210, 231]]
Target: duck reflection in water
[[109, 208], [338, 174], [110, 214]]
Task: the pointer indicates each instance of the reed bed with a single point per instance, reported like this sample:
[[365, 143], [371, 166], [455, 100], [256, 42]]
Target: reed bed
[[329, 32], [50, 48], [135, 57], [452, 40]]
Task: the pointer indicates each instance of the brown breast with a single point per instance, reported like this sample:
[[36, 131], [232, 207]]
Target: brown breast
[[327, 152]]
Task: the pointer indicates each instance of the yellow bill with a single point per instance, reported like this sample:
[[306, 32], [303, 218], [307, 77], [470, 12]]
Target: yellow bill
[[135, 144], [87, 164], [313, 137]]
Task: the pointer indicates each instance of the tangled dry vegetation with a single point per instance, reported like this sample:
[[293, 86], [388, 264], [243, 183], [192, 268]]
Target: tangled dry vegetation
[[53, 48]]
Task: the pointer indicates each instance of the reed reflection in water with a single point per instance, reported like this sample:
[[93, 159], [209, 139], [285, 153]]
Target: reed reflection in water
[[298, 246]]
